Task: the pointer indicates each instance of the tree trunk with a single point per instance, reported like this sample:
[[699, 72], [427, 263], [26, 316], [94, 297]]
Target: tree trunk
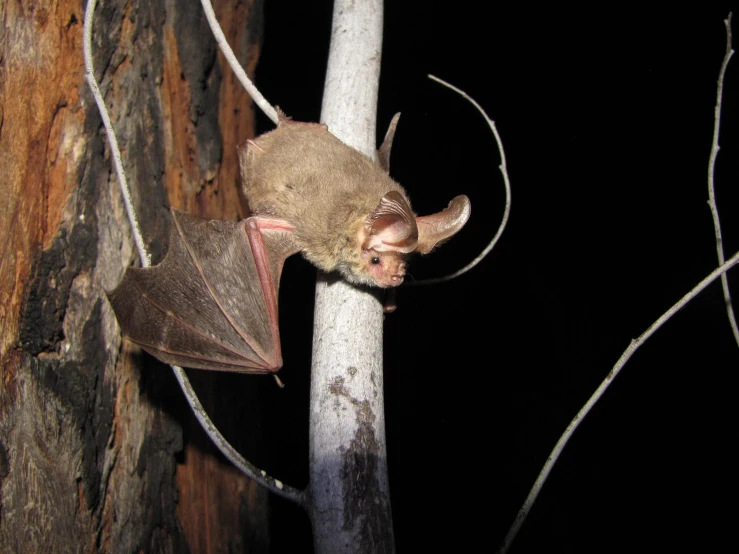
[[92, 456]]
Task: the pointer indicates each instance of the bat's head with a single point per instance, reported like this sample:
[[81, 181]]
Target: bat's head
[[392, 231], [383, 269]]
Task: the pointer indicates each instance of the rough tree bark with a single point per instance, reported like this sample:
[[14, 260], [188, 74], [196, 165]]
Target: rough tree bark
[[89, 438]]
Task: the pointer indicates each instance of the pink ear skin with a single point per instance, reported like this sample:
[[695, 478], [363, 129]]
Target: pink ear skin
[[391, 231], [436, 228], [392, 225]]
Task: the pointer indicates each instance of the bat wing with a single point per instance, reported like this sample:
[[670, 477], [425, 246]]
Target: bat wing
[[212, 302]]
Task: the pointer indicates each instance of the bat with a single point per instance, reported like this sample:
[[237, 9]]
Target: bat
[[212, 302]]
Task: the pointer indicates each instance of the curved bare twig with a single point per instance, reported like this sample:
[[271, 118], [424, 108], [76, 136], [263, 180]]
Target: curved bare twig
[[251, 471], [125, 190], [503, 167], [259, 100], [257, 475], [711, 172], [633, 346]]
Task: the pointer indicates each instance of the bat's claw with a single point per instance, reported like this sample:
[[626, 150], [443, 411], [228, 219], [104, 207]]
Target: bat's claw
[[390, 305]]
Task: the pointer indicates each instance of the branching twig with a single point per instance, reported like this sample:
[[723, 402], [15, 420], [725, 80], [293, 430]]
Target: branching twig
[[711, 172], [259, 100], [635, 344], [223, 445], [252, 472], [506, 211]]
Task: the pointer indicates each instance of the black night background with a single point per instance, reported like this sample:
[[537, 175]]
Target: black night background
[[607, 118]]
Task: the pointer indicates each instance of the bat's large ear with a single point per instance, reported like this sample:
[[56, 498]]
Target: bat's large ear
[[433, 229], [391, 226], [383, 154]]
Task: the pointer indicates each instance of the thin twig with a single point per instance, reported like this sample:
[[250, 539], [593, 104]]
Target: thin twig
[[711, 172], [125, 191], [257, 475], [259, 100], [562, 442], [506, 211], [252, 472]]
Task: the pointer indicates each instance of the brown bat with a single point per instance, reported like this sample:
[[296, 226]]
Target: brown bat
[[212, 302]]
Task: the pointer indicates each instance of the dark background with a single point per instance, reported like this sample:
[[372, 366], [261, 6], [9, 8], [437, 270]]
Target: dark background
[[607, 119]]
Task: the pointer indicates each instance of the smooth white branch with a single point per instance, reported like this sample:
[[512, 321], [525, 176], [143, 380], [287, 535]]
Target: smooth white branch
[[348, 462]]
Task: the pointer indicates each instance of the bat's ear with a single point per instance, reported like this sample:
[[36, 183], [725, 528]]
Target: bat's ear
[[383, 154], [433, 229], [391, 226]]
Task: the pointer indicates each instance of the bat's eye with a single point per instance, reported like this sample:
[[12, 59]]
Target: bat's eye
[[376, 260]]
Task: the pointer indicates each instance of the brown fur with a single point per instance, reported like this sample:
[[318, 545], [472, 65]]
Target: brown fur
[[301, 173]]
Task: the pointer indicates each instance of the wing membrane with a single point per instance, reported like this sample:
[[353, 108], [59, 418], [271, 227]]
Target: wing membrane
[[205, 305]]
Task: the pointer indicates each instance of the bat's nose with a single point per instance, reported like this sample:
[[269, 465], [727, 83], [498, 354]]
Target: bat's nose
[[397, 279]]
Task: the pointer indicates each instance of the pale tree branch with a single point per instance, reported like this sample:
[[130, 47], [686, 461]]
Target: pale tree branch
[[218, 439], [348, 462], [711, 173]]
